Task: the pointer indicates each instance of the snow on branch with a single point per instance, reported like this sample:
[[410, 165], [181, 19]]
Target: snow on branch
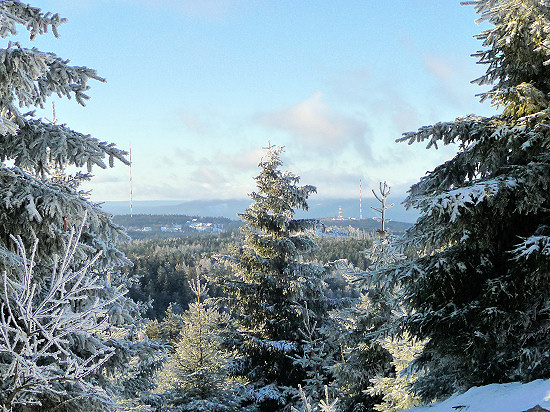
[[454, 202], [14, 12], [39, 145], [32, 76], [536, 244], [39, 322], [464, 129], [24, 197]]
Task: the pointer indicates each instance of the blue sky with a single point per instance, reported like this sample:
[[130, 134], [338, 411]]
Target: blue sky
[[197, 88]]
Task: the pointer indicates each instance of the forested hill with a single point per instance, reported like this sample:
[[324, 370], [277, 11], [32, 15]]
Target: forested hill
[[369, 225], [166, 226], [229, 208]]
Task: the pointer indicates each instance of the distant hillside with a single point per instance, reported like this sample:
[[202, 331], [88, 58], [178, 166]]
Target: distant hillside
[[369, 225], [169, 226], [318, 208], [190, 224]]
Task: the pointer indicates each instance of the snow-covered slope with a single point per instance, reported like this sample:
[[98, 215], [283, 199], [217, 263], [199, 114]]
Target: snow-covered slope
[[508, 397]]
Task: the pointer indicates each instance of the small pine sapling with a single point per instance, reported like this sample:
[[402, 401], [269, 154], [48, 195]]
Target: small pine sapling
[[395, 389], [325, 405], [382, 197], [196, 377]]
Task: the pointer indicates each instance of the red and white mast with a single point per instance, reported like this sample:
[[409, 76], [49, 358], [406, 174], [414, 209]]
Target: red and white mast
[[360, 200], [131, 188]]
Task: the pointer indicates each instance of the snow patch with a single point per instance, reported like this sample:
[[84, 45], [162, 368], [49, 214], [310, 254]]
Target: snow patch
[[506, 397]]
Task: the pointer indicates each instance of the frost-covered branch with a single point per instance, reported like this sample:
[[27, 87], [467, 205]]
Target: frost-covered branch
[[325, 405], [13, 12], [40, 320], [27, 202]]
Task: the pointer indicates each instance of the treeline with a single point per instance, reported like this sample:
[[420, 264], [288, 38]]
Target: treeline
[[366, 225], [137, 221], [162, 268]]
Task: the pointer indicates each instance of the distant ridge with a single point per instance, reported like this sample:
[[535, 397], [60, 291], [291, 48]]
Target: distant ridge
[[318, 208]]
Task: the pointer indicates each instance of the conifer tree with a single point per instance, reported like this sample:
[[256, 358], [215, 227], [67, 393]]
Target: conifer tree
[[196, 377], [270, 284], [315, 358], [479, 291], [370, 319], [325, 405], [39, 203], [36, 330], [395, 389], [36, 201]]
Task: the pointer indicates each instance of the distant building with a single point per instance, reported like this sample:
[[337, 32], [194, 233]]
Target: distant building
[[205, 227], [145, 229], [173, 228]]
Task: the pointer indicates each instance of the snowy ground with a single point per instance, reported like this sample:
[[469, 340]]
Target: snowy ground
[[508, 397]]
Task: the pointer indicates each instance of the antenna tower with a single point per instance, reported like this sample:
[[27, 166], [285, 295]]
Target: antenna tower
[[360, 200], [131, 188]]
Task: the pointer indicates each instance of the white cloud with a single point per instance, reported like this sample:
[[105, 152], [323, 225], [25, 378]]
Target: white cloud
[[453, 86], [241, 161], [440, 68], [318, 126], [194, 123], [353, 85]]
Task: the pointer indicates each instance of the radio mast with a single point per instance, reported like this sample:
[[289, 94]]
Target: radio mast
[[131, 188], [360, 200]]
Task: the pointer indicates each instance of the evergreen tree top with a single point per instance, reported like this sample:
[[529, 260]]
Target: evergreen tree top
[[477, 289], [28, 77], [518, 48], [498, 155], [277, 198]]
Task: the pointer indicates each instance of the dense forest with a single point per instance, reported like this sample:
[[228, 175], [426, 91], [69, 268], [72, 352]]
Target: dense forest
[[163, 266], [275, 313]]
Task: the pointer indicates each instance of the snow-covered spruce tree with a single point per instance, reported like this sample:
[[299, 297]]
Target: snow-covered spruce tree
[[270, 284], [36, 330], [196, 376], [315, 359], [395, 389], [39, 202], [480, 292], [33, 201]]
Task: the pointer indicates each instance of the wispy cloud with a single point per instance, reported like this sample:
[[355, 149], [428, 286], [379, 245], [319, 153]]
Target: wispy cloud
[[194, 123], [452, 77], [241, 161], [338, 183], [353, 85], [203, 182], [440, 67], [318, 126], [105, 178]]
